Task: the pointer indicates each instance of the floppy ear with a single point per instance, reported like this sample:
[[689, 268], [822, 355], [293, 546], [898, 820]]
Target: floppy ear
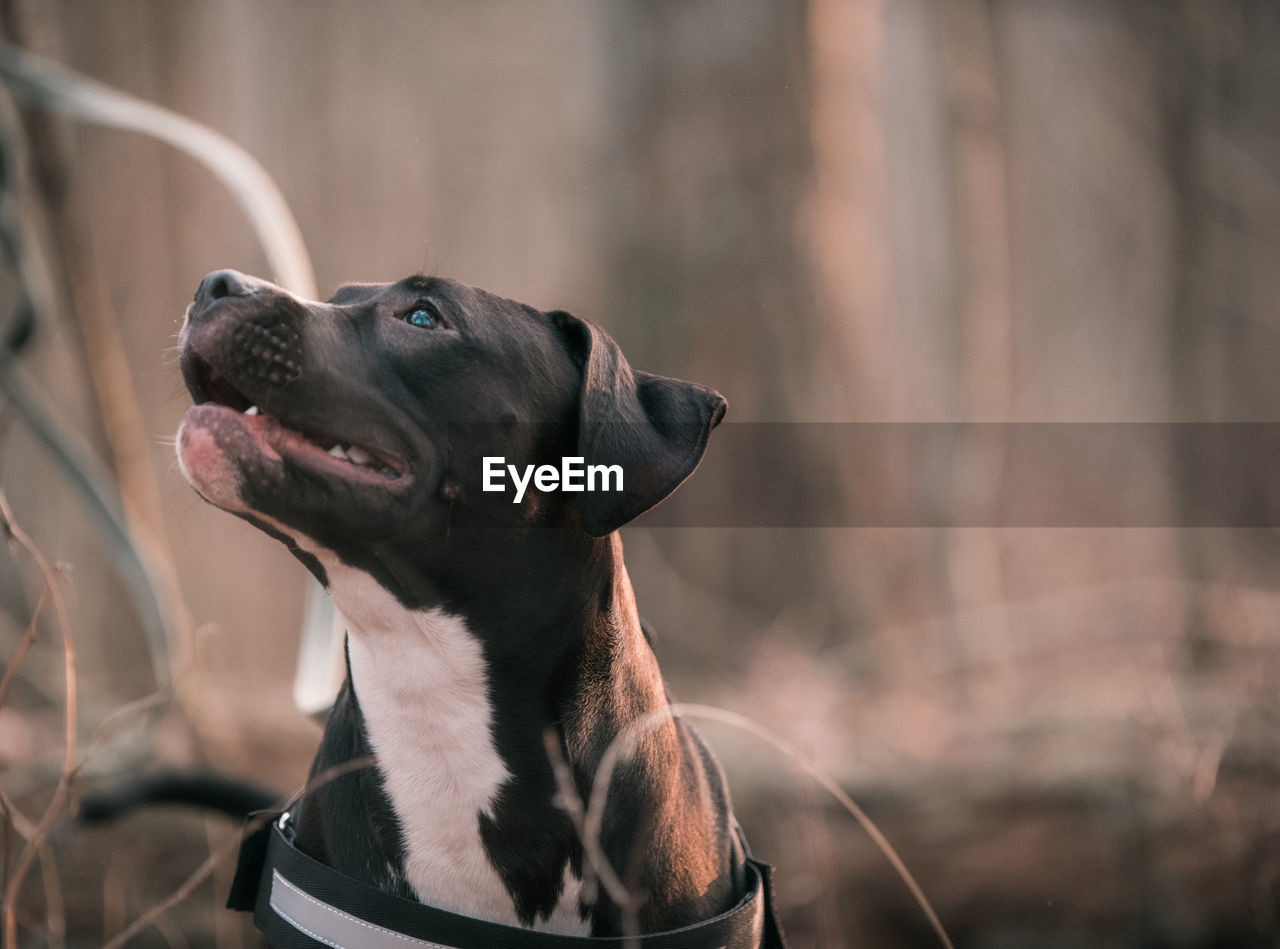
[[655, 428]]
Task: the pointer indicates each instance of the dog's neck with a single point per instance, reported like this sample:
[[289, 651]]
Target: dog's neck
[[457, 729]]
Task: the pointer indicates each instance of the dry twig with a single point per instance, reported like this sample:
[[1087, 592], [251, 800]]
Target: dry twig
[[597, 865], [228, 847], [55, 906], [624, 742], [60, 792], [11, 670]]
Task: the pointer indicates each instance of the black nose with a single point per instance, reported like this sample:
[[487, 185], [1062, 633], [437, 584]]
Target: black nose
[[224, 283]]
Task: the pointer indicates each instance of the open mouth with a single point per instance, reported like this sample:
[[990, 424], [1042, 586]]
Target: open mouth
[[299, 441]]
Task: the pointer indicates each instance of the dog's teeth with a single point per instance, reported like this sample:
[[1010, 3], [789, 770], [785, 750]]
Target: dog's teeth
[[337, 452], [359, 455], [251, 410]]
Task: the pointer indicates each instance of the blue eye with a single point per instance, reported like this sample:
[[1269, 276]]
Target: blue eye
[[423, 317]]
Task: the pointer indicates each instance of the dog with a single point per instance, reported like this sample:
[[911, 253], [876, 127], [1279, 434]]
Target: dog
[[358, 432]]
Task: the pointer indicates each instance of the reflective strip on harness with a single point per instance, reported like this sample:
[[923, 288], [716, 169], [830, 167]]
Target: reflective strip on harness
[[333, 927]]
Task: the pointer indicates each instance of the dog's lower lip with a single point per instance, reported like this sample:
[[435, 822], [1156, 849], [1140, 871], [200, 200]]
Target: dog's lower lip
[[283, 439]]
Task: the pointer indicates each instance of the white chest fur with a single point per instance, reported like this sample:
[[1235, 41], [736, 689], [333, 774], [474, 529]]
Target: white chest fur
[[420, 678]]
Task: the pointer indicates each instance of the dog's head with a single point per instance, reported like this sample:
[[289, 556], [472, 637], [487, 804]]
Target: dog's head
[[363, 423]]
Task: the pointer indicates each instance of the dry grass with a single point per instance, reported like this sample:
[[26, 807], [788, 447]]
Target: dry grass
[[1084, 770]]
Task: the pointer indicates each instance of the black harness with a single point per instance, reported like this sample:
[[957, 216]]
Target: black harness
[[299, 903]]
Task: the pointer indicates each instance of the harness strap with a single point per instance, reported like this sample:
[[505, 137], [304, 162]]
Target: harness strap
[[300, 903]]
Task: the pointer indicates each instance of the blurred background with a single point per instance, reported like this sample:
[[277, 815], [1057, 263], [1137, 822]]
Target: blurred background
[[829, 210]]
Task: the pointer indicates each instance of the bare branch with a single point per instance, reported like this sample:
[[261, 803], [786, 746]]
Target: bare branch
[[11, 670], [228, 847], [60, 792], [597, 865], [625, 741]]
